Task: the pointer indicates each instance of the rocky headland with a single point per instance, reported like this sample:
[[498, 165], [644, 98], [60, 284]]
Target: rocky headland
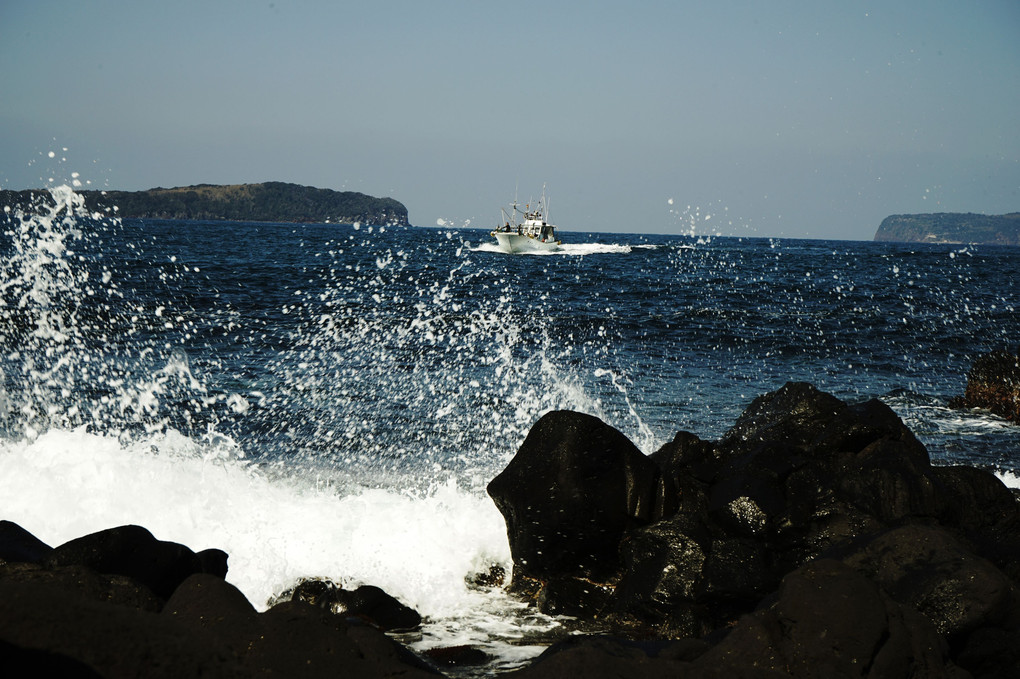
[[266, 202], [951, 227], [814, 539]]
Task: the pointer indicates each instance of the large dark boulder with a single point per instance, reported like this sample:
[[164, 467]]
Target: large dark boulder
[[840, 470], [976, 500], [207, 629], [85, 583], [991, 653], [926, 568], [793, 415], [108, 639], [569, 494], [687, 466], [134, 552], [216, 609], [825, 620], [804, 470], [662, 580], [19, 661], [17, 544], [63, 617], [298, 639], [828, 620], [993, 383], [369, 603], [977, 506]]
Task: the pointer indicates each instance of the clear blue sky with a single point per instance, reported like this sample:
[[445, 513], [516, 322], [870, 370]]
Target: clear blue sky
[[773, 118]]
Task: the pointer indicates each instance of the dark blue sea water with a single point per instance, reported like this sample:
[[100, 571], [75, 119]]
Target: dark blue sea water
[[330, 400]]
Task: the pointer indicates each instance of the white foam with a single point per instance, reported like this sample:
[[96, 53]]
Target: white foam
[[594, 248], [419, 546], [1011, 479], [575, 249], [923, 416]]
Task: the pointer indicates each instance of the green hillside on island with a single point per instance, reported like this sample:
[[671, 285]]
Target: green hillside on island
[[951, 227], [266, 202]]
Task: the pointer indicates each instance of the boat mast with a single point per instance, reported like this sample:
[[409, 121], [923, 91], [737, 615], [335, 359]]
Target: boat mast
[[513, 222], [545, 206]]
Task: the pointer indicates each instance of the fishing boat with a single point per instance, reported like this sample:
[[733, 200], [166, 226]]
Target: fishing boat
[[533, 232]]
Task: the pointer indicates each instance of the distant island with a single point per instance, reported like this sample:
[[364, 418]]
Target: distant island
[[266, 202], [950, 227]]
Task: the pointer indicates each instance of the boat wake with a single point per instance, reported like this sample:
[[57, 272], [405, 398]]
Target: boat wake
[[565, 249]]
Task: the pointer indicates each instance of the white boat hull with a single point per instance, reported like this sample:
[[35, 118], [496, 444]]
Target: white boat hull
[[516, 242]]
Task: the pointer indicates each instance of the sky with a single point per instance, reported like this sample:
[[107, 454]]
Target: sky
[[807, 119]]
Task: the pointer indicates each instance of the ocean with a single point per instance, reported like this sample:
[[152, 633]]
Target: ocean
[[324, 400]]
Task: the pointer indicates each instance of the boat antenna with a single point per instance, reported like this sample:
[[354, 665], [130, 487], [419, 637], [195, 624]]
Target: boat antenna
[[516, 189]]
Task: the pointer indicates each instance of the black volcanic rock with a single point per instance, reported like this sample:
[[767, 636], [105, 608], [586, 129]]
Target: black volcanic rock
[[217, 609], [109, 639], [574, 487], [132, 551], [793, 416], [81, 581], [17, 544], [662, 579], [298, 639], [993, 383], [59, 617], [810, 517], [978, 508], [928, 569], [367, 602], [828, 620]]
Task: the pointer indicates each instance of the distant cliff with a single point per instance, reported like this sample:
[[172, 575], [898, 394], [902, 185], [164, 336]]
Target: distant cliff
[[948, 227], [268, 202]]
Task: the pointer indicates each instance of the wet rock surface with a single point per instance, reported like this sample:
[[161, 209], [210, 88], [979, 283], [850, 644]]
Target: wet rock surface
[[367, 602], [598, 485]]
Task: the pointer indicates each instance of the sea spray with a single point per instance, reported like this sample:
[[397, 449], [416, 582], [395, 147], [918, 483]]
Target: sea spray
[[457, 356], [77, 348], [43, 289], [383, 400], [455, 374]]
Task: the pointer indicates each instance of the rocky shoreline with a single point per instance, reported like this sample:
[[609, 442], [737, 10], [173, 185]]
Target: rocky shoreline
[[814, 539]]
